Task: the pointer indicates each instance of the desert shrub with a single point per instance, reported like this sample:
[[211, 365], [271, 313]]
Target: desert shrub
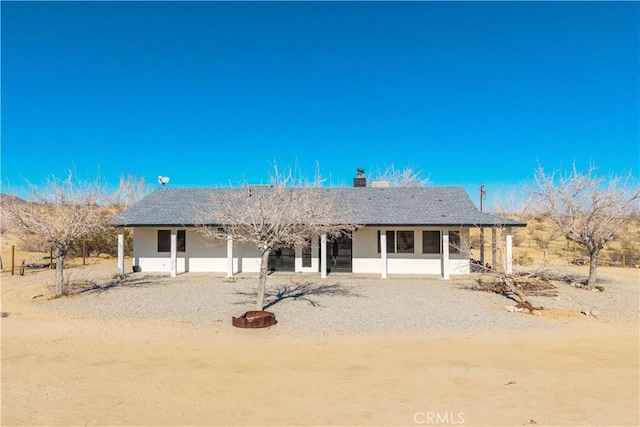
[[518, 238], [522, 258], [104, 242], [34, 243]]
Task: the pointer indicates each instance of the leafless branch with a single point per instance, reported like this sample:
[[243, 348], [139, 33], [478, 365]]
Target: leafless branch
[[289, 212]]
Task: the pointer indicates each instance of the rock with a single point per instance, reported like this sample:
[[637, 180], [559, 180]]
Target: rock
[[536, 313], [600, 288], [594, 313], [511, 308]]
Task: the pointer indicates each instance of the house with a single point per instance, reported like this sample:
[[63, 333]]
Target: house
[[401, 230]]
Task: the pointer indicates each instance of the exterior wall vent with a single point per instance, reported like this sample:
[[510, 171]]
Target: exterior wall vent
[[380, 184]]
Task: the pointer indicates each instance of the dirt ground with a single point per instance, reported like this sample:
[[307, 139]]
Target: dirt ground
[[58, 370]]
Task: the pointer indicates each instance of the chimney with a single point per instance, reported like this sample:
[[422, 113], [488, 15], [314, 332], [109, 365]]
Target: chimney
[[360, 180]]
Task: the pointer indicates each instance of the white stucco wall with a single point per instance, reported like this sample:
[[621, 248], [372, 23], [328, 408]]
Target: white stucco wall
[[366, 258], [198, 256], [202, 257]]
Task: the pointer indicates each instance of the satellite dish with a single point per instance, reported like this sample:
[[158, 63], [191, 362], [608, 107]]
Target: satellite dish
[[163, 180]]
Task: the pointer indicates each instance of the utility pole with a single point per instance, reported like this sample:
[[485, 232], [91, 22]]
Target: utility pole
[[482, 194]]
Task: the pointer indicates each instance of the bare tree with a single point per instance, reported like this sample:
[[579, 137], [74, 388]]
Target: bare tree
[[130, 190], [587, 209], [405, 177], [61, 213], [289, 212]]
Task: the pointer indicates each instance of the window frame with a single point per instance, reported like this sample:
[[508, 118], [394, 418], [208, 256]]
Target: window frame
[[391, 242], [439, 240], [164, 241], [306, 254], [400, 248]]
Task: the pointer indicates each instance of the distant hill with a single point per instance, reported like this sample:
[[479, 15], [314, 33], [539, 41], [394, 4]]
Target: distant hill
[[8, 198]]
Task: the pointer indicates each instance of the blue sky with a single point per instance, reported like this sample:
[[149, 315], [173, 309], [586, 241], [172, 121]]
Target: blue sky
[[209, 93]]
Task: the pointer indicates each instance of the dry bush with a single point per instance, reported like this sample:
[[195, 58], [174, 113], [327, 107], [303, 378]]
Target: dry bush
[[522, 258]]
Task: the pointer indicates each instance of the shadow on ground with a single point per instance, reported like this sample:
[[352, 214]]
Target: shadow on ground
[[82, 287], [297, 291]]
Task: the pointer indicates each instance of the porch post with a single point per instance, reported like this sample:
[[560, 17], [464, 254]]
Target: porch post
[[323, 256], [120, 251], [482, 246], [383, 254], [509, 252], [229, 255], [174, 252], [494, 257], [445, 254]]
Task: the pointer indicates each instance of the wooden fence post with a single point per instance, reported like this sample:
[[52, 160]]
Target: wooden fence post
[[51, 258], [84, 252], [13, 258]]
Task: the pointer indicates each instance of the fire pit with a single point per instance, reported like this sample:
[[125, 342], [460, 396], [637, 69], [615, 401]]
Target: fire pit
[[254, 319]]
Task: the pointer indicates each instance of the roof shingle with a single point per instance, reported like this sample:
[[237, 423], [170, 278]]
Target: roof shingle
[[411, 206]]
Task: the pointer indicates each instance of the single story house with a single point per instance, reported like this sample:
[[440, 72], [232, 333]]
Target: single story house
[[401, 230]]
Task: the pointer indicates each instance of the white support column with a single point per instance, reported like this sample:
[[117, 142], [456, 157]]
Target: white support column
[[121, 251], [229, 255], [509, 252], [482, 246], [494, 244], [323, 256], [383, 254], [174, 252], [445, 254]]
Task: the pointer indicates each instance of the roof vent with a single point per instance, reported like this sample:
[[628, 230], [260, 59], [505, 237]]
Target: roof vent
[[380, 184]]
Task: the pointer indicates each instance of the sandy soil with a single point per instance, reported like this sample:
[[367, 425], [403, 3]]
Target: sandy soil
[[85, 371]]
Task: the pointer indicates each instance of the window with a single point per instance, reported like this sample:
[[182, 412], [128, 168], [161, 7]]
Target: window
[[405, 242], [401, 242], [164, 240], [430, 242], [391, 241], [454, 242], [306, 254]]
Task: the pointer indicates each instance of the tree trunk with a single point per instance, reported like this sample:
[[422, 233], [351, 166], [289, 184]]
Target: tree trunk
[[593, 269], [61, 253], [262, 282]]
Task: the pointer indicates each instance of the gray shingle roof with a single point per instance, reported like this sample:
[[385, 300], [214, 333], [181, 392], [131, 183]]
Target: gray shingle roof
[[419, 206]]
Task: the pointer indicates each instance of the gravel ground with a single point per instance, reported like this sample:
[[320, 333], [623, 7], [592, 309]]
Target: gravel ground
[[342, 305]]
